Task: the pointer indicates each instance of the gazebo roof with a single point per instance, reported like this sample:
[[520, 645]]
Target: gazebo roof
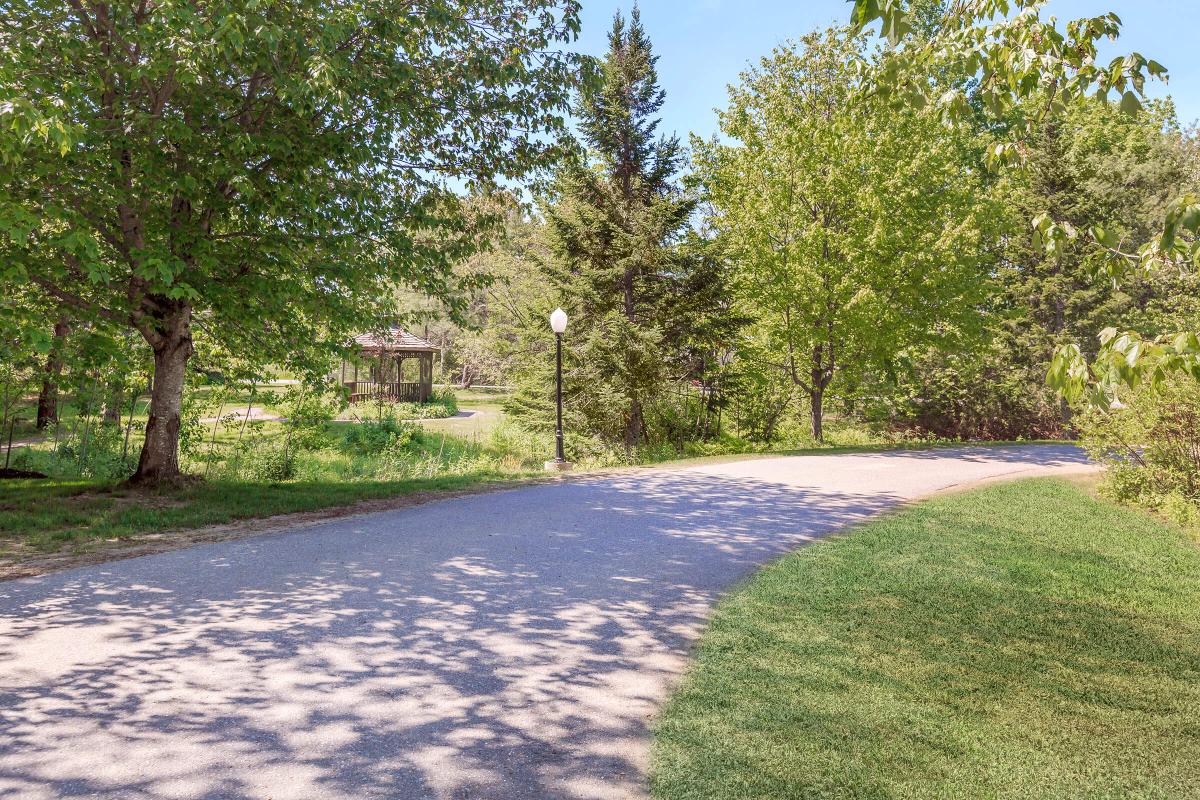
[[396, 340]]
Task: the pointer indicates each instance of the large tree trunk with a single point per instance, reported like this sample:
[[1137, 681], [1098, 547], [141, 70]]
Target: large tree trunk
[[172, 344], [47, 412], [817, 397]]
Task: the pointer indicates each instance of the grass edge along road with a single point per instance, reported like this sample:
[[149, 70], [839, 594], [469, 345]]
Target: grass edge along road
[[47, 525], [120, 524], [1019, 640]]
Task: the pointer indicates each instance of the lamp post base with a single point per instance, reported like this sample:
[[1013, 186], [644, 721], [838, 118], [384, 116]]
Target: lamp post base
[[558, 465]]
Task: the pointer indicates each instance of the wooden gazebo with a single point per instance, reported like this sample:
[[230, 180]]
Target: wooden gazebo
[[392, 366]]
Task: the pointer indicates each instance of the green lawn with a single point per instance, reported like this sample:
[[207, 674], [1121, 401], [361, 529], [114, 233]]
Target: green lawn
[[46, 516], [1019, 641]]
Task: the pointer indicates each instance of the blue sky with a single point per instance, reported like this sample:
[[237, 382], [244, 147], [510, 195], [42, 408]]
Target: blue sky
[[704, 44]]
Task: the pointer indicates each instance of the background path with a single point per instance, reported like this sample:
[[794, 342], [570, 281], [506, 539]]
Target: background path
[[507, 645]]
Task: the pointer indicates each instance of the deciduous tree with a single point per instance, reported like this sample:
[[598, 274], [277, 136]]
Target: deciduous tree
[[263, 170], [1019, 55], [852, 229]]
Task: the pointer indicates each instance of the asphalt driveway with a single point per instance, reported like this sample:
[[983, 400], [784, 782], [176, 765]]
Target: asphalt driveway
[[506, 645]]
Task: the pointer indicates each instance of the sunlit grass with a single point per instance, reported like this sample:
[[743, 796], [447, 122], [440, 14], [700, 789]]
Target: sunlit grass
[[240, 482], [1024, 640]]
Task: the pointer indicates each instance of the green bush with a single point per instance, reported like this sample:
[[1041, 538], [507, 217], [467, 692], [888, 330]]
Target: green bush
[[1151, 445], [978, 395], [271, 464], [441, 404], [91, 452], [308, 413], [377, 436], [1183, 511]]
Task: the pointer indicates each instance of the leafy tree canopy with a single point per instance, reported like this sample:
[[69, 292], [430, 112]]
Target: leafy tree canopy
[[853, 229], [1018, 54], [263, 170]]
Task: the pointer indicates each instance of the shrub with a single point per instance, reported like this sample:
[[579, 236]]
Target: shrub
[[1183, 512], [762, 403], [308, 413], [441, 404], [91, 452], [376, 436], [268, 464], [1151, 444], [976, 395]]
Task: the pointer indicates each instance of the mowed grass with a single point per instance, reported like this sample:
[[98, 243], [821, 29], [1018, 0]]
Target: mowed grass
[[1019, 641]]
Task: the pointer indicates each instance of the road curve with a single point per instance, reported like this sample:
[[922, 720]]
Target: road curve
[[506, 645]]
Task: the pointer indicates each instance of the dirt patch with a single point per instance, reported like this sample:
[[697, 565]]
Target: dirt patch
[[19, 560], [18, 474]]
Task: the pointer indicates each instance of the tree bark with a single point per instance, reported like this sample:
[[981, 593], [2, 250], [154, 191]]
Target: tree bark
[[113, 404], [817, 397], [172, 344], [47, 411]]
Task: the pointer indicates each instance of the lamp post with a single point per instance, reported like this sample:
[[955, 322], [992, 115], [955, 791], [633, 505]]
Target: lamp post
[[558, 324]]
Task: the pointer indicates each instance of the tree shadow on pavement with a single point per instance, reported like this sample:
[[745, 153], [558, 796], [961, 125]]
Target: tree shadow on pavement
[[508, 645]]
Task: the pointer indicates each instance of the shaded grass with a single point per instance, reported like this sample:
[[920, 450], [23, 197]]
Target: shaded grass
[[65, 514], [1023, 640], [48, 516]]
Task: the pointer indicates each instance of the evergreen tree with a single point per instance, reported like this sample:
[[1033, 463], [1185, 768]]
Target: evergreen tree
[[1092, 165], [614, 227]]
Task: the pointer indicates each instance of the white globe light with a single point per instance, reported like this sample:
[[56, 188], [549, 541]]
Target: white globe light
[[558, 320]]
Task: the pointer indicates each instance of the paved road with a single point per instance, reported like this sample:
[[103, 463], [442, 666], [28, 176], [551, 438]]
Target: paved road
[[508, 645]]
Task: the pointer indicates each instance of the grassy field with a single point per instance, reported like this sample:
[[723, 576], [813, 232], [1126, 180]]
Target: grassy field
[[480, 411], [1019, 641]]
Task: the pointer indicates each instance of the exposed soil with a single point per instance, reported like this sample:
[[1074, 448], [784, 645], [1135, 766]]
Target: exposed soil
[[15, 474]]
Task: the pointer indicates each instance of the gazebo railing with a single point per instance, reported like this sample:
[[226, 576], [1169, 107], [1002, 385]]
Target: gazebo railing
[[402, 392]]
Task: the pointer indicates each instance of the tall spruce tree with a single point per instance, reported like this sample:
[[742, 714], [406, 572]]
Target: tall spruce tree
[[613, 228]]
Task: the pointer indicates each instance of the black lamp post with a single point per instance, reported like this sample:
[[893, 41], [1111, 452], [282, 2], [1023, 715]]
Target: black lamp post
[[558, 324]]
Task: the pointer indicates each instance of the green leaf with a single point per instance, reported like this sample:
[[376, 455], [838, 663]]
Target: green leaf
[[1130, 104]]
